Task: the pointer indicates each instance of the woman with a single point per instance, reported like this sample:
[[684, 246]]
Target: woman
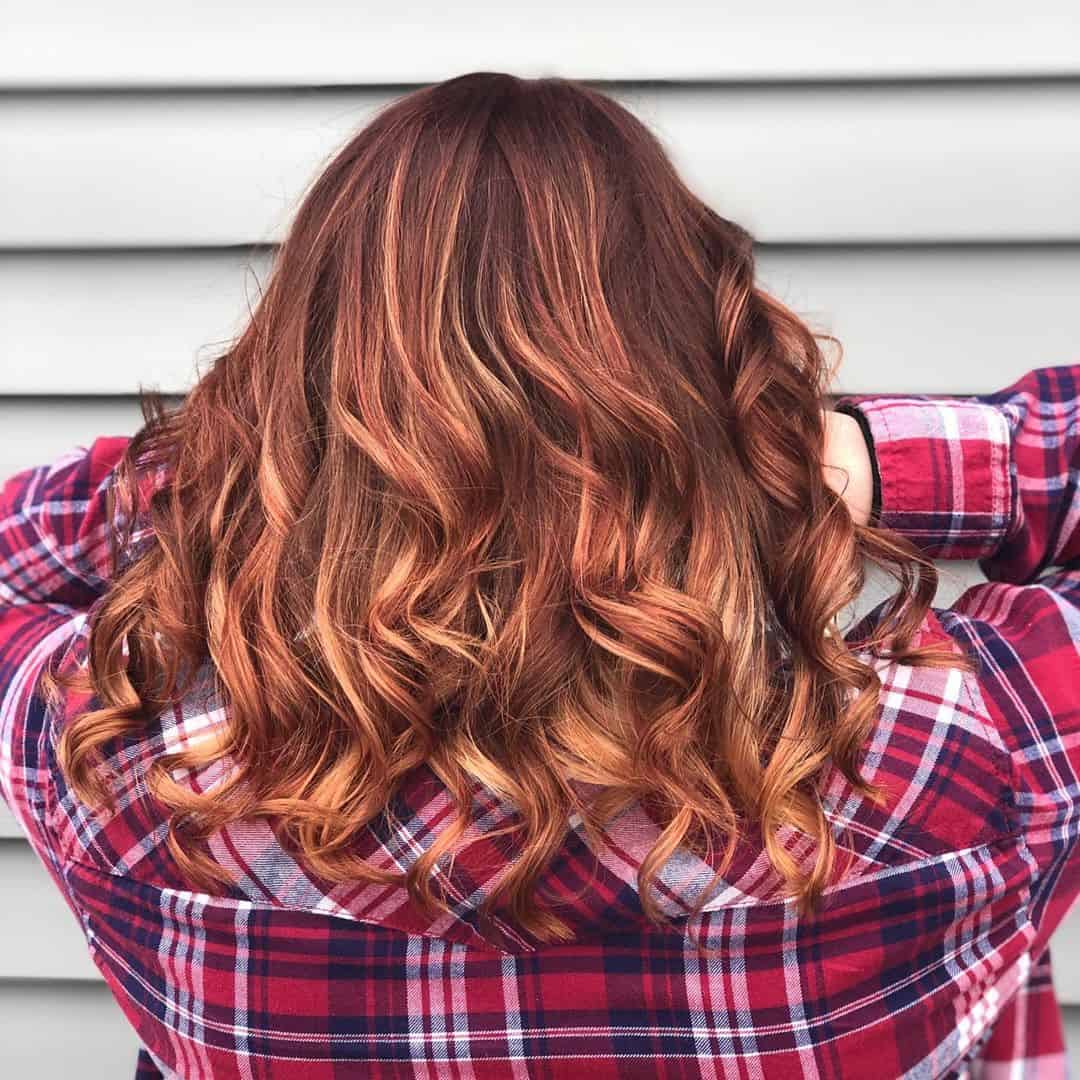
[[455, 684]]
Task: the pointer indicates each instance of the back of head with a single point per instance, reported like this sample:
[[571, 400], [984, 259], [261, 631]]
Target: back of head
[[514, 474]]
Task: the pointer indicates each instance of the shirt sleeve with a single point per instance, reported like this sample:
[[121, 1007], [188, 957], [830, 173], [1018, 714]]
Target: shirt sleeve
[[1027, 1039], [990, 477], [55, 561], [995, 478]]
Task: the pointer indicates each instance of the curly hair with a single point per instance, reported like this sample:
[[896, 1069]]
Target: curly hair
[[514, 473]]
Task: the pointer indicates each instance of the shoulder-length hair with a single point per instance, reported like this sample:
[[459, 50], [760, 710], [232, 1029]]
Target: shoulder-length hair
[[515, 473]]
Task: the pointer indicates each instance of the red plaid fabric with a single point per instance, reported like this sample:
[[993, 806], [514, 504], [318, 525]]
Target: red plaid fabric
[[929, 958]]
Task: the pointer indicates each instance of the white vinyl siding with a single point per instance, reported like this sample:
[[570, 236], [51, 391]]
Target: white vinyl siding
[[911, 174]]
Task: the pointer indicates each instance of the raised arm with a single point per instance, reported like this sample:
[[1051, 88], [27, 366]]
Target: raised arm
[[54, 535], [54, 562], [995, 478], [992, 477]]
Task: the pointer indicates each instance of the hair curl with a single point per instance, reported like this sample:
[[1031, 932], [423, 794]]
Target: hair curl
[[514, 473]]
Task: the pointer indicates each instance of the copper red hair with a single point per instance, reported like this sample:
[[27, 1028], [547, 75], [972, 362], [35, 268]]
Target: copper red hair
[[515, 473]]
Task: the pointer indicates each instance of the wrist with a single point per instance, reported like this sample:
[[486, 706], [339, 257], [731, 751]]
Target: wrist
[[849, 465]]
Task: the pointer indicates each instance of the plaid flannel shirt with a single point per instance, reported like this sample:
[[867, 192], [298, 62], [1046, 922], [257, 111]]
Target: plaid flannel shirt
[[929, 958]]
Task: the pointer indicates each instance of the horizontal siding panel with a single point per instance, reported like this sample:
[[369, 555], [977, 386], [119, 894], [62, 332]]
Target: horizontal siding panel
[[39, 935], [61, 1030], [123, 43], [800, 164], [37, 430], [933, 320], [1065, 948], [9, 827], [101, 323]]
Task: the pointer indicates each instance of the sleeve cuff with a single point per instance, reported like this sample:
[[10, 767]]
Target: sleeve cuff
[[943, 472]]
